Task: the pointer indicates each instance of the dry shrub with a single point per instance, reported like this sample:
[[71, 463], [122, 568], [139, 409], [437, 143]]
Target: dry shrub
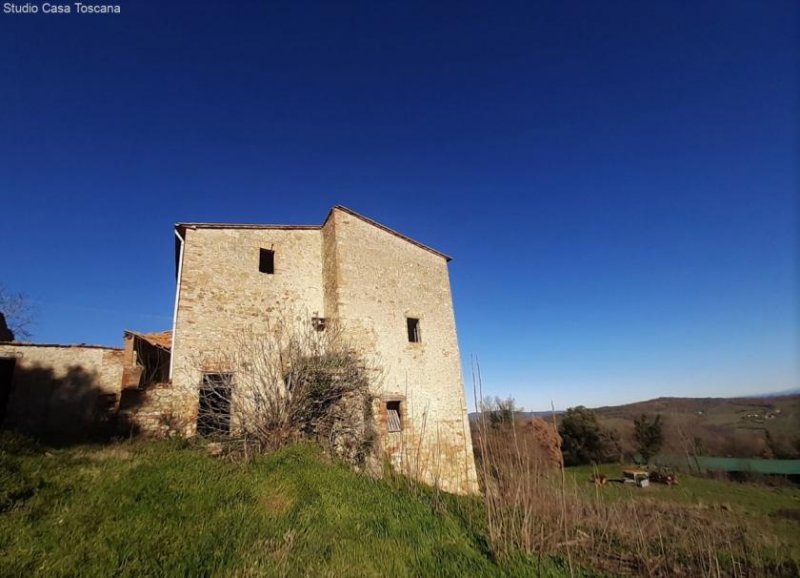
[[548, 440], [532, 508], [288, 384]]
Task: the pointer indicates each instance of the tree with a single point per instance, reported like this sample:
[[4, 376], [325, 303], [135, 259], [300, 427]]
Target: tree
[[649, 435], [610, 446], [698, 446], [16, 316], [584, 441], [499, 410]]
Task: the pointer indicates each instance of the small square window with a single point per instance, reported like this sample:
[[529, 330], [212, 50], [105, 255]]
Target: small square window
[[266, 261], [394, 422], [414, 335], [318, 323]]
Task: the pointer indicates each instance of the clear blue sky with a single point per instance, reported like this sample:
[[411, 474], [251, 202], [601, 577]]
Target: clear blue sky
[[617, 181]]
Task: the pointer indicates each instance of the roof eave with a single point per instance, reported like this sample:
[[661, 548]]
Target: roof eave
[[182, 227]]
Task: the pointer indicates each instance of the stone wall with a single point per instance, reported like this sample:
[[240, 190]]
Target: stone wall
[[159, 411], [223, 296], [383, 280], [63, 392]]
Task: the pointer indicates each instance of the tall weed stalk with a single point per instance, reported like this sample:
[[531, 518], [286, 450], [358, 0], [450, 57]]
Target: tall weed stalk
[[533, 508]]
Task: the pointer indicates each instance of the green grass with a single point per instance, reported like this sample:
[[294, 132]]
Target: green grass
[[759, 505], [168, 509], [753, 499]]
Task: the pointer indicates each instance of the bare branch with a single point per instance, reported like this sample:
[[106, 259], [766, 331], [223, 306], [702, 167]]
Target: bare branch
[[19, 313], [285, 384]]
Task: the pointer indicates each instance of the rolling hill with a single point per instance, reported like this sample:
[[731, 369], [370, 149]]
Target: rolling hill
[[764, 426]]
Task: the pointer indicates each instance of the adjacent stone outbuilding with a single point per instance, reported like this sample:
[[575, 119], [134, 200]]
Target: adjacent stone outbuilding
[[59, 392]]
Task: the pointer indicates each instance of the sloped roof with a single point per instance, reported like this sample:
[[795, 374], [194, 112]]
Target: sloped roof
[[162, 339], [181, 228], [387, 229]]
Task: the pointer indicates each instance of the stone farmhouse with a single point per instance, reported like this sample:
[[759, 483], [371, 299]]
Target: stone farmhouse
[[388, 294]]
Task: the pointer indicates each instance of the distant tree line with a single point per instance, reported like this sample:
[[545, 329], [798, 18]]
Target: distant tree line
[[585, 438], [586, 441]]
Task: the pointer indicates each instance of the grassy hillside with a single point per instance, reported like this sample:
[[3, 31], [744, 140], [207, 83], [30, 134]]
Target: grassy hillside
[[168, 509]]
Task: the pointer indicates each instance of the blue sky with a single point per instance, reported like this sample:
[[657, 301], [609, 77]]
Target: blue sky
[[615, 181]]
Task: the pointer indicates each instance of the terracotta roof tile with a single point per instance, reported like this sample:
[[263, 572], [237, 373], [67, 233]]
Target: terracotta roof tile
[[162, 339]]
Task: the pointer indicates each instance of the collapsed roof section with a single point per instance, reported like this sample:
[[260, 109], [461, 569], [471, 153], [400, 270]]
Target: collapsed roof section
[[146, 360], [161, 339]]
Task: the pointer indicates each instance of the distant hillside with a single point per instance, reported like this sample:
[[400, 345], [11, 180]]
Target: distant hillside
[[473, 416], [735, 427], [765, 426], [783, 393], [776, 413], [779, 409]]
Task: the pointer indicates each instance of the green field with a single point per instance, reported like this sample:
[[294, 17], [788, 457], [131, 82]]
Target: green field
[[769, 510], [168, 509]]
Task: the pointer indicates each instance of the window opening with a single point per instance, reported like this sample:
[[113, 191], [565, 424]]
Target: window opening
[[394, 421], [414, 335], [266, 261], [214, 410]]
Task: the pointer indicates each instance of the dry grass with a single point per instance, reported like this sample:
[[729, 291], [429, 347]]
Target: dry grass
[[532, 507]]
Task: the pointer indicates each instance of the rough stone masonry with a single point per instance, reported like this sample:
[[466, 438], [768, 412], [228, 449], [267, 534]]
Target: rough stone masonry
[[389, 294]]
